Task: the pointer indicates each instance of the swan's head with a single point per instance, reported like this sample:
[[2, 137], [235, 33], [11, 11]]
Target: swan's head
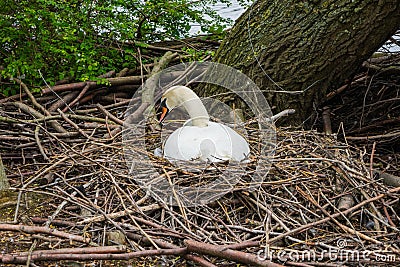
[[169, 100], [183, 96]]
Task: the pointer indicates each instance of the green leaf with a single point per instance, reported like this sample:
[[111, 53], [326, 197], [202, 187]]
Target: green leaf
[[84, 39]]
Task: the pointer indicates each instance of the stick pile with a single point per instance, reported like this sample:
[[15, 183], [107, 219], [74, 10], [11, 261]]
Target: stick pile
[[76, 201]]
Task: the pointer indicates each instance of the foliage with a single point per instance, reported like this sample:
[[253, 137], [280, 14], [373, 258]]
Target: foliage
[[82, 39]]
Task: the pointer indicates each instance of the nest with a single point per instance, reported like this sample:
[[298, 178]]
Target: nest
[[317, 195], [73, 197]]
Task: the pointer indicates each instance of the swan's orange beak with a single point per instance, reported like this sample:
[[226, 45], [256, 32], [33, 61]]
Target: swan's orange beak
[[164, 112]]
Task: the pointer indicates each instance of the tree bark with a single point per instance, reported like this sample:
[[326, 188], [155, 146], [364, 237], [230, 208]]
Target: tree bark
[[306, 47]]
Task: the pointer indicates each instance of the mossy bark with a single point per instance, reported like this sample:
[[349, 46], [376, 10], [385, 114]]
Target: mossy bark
[[306, 46], [4, 184]]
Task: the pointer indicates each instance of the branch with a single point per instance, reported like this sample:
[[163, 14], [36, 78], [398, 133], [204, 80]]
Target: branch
[[228, 254], [92, 256], [163, 244], [306, 226], [109, 115], [92, 250], [283, 113], [54, 124], [76, 100], [43, 230], [79, 85]]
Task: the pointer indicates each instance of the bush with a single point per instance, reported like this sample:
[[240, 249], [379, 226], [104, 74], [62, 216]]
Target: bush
[[82, 39]]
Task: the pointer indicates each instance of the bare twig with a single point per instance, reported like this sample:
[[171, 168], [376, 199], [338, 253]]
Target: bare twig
[[303, 227], [43, 230]]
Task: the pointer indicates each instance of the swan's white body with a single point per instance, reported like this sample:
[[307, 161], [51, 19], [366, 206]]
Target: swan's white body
[[199, 138]]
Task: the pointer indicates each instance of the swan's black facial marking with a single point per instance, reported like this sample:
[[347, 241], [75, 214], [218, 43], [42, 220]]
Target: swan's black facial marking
[[163, 110]]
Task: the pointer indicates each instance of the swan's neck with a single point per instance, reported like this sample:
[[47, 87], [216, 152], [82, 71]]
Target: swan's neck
[[197, 112]]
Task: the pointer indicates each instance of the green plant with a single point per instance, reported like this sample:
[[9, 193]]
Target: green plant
[[82, 39]]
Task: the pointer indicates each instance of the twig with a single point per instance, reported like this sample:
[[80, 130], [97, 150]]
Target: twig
[[109, 115], [283, 113], [343, 227], [343, 213], [53, 222], [37, 129], [74, 125], [373, 137], [80, 95], [43, 230], [54, 124], [118, 214]]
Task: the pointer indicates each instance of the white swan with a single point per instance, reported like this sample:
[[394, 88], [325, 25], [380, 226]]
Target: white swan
[[199, 138]]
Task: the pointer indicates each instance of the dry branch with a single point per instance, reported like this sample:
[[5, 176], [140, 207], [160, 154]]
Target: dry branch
[[109, 115], [65, 87], [43, 230], [81, 250], [119, 214], [80, 95], [54, 124], [163, 244], [91, 256], [228, 254], [343, 213]]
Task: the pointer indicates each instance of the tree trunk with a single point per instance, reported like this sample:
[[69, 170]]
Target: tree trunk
[[298, 50], [4, 184]]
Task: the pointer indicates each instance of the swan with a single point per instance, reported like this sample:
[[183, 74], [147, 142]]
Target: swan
[[199, 138]]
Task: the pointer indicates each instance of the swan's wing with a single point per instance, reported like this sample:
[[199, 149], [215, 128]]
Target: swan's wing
[[182, 144], [216, 143], [241, 149], [231, 145]]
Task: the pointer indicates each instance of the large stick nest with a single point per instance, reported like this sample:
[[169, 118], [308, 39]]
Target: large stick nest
[[319, 195]]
